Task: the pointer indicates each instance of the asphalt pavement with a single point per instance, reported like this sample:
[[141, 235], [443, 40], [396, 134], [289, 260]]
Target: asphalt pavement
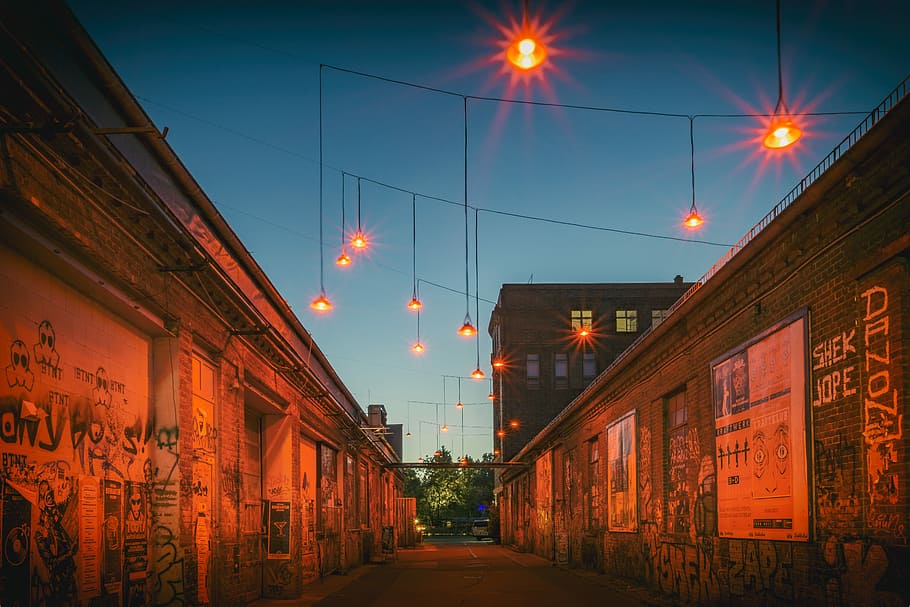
[[462, 571]]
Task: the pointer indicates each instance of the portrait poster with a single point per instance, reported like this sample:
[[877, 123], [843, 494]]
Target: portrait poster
[[279, 530], [759, 392], [622, 474]]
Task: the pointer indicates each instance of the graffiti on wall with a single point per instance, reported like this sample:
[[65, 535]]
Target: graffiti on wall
[[883, 420], [63, 428], [834, 368]]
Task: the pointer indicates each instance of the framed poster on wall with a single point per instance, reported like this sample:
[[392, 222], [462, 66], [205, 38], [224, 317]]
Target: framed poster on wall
[[760, 409], [622, 474]]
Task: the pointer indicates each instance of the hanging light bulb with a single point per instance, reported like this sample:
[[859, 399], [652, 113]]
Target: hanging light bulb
[[491, 396], [498, 363], [467, 329], [418, 347], [408, 434], [693, 219], [359, 240], [459, 405], [526, 51], [415, 304], [444, 428], [321, 303], [477, 373], [782, 131], [343, 259]]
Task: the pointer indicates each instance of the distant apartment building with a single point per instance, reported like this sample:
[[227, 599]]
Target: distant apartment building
[[551, 340]]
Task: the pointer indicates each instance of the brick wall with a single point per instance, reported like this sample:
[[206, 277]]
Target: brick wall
[[837, 258]]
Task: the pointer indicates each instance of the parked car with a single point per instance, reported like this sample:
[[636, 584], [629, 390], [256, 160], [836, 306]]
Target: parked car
[[481, 528]]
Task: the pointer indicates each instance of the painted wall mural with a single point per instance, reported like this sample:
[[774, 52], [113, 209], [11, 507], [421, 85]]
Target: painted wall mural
[[760, 436], [76, 439]]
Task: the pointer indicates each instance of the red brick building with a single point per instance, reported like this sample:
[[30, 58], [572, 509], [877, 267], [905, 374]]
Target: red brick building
[[170, 434], [552, 340], [750, 448]]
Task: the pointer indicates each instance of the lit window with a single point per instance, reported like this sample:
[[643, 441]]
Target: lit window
[[678, 471], [589, 366], [561, 370], [658, 316], [533, 370], [626, 321], [581, 319]]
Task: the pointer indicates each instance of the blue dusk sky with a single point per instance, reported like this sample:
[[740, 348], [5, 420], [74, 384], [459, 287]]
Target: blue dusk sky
[[238, 86]]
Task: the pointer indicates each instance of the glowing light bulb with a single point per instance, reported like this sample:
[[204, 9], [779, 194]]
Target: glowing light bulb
[[415, 304], [526, 53], [418, 348], [582, 332], [343, 259], [359, 241], [693, 220], [781, 133], [444, 428], [467, 329], [477, 374], [499, 363], [321, 303], [459, 405]]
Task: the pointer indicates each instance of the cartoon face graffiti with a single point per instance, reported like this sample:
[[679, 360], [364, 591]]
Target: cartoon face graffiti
[[135, 505], [100, 392], [45, 349], [18, 373]]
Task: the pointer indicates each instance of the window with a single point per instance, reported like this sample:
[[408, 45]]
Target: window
[[533, 370], [561, 370], [589, 366], [658, 316], [626, 321], [251, 473], [581, 319], [680, 437], [593, 505]]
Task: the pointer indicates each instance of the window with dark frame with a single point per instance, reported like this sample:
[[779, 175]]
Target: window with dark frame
[[533, 370], [589, 366], [561, 370], [679, 500], [581, 319], [626, 321]]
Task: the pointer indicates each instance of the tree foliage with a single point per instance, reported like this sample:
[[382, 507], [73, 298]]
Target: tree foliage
[[444, 494]]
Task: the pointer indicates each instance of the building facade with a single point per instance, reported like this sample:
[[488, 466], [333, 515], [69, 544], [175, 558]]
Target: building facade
[[170, 434], [749, 450], [551, 340]]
